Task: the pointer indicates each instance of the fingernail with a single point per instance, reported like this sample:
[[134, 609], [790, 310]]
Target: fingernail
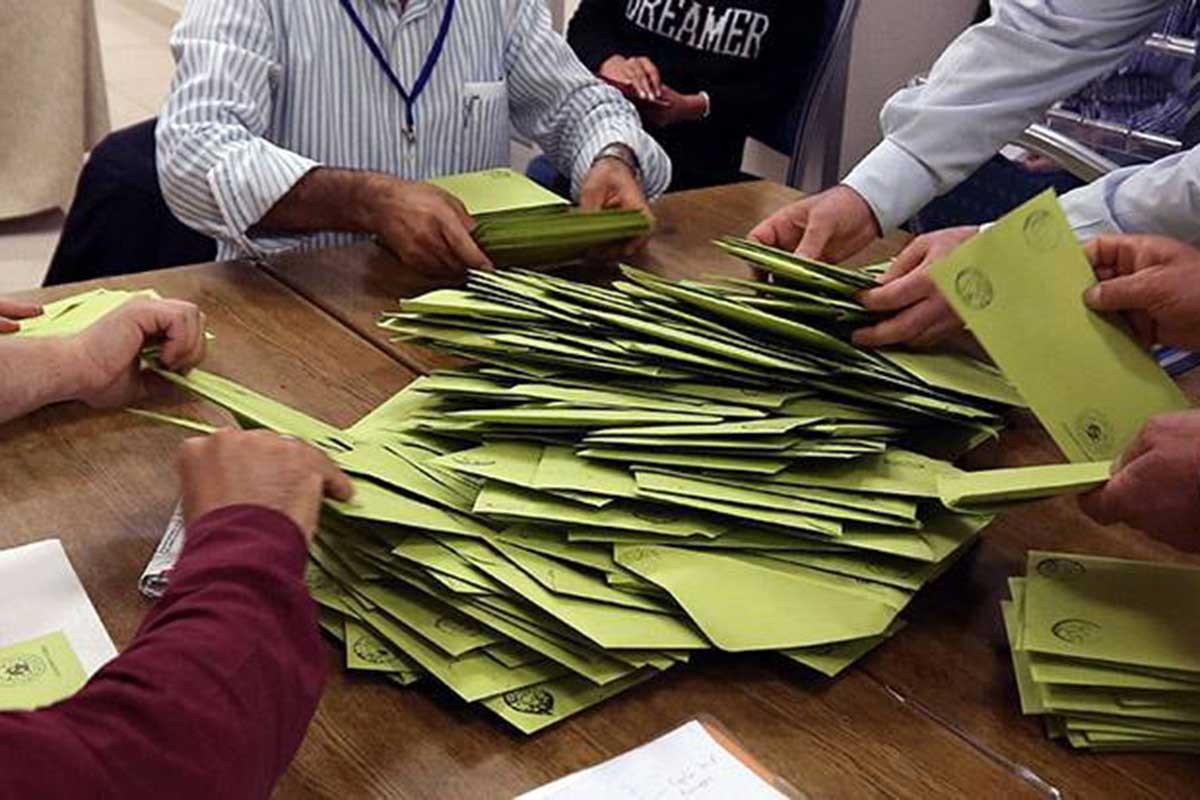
[[1092, 296]]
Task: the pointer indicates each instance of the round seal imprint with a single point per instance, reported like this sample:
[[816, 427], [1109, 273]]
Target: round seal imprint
[[974, 288], [371, 651], [1059, 567], [468, 460], [1040, 232], [659, 516], [530, 701], [1095, 431], [21, 669], [455, 627], [1075, 631]]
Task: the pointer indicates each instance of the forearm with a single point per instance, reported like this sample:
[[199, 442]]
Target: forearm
[[1160, 198], [212, 697], [326, 200], [567, 110], [987, 87], [218, 171], [36, 372]]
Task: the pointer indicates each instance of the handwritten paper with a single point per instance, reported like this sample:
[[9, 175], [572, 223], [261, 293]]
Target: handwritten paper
[[685, 763]]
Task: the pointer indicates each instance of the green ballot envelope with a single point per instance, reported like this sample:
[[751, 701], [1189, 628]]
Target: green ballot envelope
[[1019, 288], [965, 490], [522, 223], [74, 314], [38, 673], [499, 191], [1106, 650]]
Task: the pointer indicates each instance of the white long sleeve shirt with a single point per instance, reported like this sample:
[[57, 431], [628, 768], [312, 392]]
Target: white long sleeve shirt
[[267, 90], [999, 77]]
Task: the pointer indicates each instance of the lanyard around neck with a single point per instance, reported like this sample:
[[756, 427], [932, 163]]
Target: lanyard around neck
[[435, 53]]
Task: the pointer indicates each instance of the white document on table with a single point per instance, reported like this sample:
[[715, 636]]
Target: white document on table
[[40, 594], [685, 763]]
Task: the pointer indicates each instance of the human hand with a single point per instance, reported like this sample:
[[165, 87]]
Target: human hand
[[637, 71], [105, 359], [611, 184], [832, 225], [675, 108], [261, 468], [1153, 282], [13, 310], [1155, 485], [426, 227], [921, 316]]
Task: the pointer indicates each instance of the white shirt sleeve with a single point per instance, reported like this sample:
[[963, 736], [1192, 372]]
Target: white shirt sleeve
[[569, 112], [991, 83], [218, 173], [1160, 198]]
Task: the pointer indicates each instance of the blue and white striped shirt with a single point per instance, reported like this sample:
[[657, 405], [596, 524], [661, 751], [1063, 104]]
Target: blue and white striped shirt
[[266, 90]]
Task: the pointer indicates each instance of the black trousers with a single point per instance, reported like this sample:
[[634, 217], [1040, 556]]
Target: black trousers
[[118, 222]]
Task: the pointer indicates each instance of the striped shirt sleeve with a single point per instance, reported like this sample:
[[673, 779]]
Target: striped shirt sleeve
[[218, 172], [570, 113]]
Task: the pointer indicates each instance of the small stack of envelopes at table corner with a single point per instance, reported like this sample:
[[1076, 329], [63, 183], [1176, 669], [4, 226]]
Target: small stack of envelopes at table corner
[[1108, 651]]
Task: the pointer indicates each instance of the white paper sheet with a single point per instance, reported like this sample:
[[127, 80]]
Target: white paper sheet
[[685, 763], [40, 594]]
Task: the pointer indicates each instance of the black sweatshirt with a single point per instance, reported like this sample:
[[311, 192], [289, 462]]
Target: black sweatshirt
[[750, 56]]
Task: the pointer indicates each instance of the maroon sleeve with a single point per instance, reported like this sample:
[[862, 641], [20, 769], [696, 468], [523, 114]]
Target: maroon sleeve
[[212, 697]]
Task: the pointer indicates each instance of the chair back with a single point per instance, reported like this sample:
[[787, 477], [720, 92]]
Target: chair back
[[810, 130]]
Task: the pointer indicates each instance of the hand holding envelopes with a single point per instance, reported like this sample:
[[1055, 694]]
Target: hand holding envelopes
[[1107, 650], [1019, 287], [520, 222], [621, 484]]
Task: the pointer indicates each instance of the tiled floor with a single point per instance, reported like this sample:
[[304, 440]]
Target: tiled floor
[[137, 69]]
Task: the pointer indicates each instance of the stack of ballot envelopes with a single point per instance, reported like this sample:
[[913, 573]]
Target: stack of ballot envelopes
[[1108, 651], [76, 313], [520, 222], [636, 473]]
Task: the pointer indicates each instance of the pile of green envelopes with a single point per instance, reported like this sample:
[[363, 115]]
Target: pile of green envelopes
[[638, 473], [538, 582], [520, 222], [1106, 650]]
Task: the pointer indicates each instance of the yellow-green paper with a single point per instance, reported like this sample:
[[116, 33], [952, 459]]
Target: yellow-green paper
[[1019, 287], [38, 673]]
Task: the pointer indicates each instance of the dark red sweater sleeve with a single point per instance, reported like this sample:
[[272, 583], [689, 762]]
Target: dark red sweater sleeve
[[212, 697]]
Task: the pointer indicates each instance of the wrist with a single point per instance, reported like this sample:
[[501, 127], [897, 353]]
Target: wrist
[[701, 105], [367, 195], [867, 211], [68, 370], [619, 155]]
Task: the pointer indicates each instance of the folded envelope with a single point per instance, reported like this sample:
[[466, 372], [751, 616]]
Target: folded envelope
[[965, 490], [743, 604]]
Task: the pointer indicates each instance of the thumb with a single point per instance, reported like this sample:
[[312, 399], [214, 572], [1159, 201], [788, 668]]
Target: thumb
[[1125, 293], [1114, 501]]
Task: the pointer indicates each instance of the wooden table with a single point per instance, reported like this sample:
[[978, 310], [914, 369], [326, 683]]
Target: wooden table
[[931, 713]]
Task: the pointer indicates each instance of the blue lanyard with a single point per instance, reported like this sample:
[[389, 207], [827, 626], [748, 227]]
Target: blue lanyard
[[435, 53]]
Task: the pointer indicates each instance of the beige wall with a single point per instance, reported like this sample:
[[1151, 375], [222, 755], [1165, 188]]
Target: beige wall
[[893, 41]]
